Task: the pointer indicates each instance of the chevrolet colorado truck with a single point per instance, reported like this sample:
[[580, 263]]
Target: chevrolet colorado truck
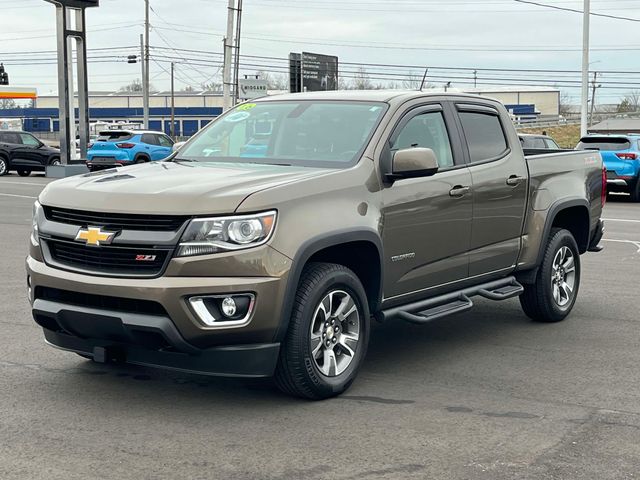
[[362, 206]]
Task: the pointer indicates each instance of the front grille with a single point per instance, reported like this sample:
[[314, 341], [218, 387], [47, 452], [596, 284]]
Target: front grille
[[115, 221], [125, 305], [111, 260]]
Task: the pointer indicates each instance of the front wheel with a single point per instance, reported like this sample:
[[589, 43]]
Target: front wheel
[[24, 173], [328, 333], [553, 294]]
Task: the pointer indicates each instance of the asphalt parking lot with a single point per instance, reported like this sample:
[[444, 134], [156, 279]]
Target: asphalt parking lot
[[482, 395]]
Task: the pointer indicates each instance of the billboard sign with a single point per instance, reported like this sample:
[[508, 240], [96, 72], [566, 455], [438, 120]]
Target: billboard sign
[[76, 3], [312, 72], [250, 88]]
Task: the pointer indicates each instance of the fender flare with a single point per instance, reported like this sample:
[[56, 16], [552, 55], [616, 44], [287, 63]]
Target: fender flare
[[551, 216], [306, 251]]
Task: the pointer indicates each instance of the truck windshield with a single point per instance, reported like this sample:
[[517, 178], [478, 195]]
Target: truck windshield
[[303, 133], [604, 144]]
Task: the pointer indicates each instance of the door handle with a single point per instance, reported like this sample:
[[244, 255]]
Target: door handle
[[459, 191], [515, 180]]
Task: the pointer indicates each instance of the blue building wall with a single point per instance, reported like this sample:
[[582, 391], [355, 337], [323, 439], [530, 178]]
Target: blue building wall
[[188, 119]]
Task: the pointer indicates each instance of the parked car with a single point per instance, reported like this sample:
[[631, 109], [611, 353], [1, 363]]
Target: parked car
[[538, 142], [118, 148], [24, 153], [385, 205], [621, 155]]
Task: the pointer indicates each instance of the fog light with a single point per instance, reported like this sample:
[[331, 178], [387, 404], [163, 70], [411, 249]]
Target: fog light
[[223, 311], [229, 307]]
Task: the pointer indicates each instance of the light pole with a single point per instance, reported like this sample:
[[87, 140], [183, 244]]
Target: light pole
[[145, 68], [173, 102], [584, 111]]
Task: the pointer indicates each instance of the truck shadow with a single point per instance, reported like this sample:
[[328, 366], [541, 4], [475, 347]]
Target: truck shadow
[[394, 347]]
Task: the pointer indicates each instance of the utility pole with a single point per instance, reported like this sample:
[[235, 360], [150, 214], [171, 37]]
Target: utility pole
[[228, 47], [145, 67], [593, 96], [475, 79], [236, 65], [584, 111], [145, 90], [173, 102]]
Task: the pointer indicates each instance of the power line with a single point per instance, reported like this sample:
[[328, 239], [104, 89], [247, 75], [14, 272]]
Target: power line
[[574, 10]]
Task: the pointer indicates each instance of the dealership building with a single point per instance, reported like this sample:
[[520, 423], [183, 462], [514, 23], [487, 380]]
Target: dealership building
[[193, 110]]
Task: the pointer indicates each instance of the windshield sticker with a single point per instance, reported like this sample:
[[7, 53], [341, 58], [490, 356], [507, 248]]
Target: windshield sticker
[[237, 117], [246, 106]]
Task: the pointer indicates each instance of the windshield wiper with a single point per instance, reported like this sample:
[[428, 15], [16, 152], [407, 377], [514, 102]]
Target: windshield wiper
[[183, 160]]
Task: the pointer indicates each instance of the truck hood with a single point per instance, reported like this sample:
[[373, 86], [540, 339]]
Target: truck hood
[[170, 188]]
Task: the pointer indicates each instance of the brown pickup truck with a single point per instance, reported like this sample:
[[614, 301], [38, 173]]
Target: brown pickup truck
[[268, 243]]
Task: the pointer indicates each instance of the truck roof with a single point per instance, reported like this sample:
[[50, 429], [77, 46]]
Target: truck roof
[[367, 95]]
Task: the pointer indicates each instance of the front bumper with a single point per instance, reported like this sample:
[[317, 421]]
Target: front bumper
[[146, 340], [92, 315]]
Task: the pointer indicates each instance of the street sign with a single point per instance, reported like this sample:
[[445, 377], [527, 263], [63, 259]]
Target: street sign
[[76, 3], [249, 88]]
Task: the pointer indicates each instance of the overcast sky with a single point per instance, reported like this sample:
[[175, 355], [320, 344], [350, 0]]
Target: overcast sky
[[455, 33]]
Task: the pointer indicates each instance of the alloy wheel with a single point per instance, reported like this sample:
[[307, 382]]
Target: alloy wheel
[[563, 276], [335, 333]]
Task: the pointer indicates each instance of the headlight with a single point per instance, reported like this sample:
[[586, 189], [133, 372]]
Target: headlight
[[222, 234], [34, 223]]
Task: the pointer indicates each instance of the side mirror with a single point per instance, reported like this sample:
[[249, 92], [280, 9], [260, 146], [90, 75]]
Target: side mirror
[[177, 146], [413, 162]]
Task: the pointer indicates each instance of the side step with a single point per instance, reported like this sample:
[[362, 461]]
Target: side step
[[455, 302]]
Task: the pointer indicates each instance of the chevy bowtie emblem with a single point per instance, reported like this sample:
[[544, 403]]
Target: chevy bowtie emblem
[[95, 236]]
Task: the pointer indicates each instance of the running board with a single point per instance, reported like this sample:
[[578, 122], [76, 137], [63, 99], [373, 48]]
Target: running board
[[426, 311]]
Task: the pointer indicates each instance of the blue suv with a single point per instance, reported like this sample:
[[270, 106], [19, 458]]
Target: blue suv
[[116, 148], [621, 155]]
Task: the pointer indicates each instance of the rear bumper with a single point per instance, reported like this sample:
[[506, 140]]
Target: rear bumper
[[150, 340], [620, 183], [105, 163]]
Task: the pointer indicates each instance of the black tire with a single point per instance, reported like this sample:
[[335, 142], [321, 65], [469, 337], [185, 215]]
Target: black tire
[[24, 173], [635, 192], [4, 166], [141, 159], [55, 161], [297, 373], [538, 300], [84, 355]]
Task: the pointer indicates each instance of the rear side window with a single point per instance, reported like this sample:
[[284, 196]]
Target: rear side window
[[484, 135], [10, 137], [426, 130], [552, 145], [150, 139], [604, 144]]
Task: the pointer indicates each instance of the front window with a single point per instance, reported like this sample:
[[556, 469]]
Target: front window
[[29, 140], [303, 133]]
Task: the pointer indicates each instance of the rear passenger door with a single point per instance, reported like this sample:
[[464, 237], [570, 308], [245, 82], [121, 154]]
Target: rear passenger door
[[166, 145], [426, 220], [499, 185]]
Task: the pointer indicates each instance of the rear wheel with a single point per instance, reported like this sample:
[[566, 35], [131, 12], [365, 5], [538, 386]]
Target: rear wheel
[[553, 294], [55, 162], [4, 166], [635, 191], [328, 334], [24, 173], [141, 159]]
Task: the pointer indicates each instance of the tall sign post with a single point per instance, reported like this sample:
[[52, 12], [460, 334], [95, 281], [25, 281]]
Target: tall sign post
[[70, 22]]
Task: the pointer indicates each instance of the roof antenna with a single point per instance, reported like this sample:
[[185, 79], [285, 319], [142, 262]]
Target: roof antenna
[[424, 78]]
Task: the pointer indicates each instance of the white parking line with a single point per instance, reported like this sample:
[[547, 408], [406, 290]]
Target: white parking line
[[631, 242], [17, 196], [23, 183], [620, 220]]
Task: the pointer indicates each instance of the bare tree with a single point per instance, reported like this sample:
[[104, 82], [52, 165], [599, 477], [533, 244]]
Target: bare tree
[[361, 80], [565, 104], [633, 100], [274, 81], [412, 81], [8, 103], [134, 87]]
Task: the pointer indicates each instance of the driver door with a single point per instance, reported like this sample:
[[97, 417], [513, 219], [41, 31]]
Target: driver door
[[427, 220], [27, 153]]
